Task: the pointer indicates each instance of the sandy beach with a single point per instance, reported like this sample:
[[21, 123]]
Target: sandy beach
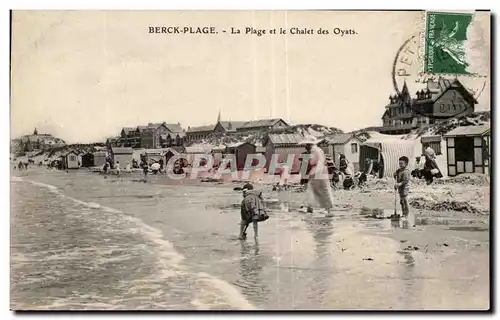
[[80, 241]]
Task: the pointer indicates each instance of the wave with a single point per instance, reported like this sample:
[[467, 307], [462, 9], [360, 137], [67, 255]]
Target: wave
[[166, 254]]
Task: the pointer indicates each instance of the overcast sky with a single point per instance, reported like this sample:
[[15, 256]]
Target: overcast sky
[[83, 75]]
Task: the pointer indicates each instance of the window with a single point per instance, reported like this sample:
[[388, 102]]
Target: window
[[354, 148], [72, 158]]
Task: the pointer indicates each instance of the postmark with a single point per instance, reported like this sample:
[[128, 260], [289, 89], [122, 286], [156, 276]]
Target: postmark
[[407, 67], [451, 45]]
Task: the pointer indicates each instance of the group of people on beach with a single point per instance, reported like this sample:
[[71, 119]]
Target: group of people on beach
[[320, 185]]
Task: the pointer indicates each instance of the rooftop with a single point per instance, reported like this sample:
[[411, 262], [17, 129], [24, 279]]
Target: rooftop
[[340, 138], [121, 150], [201, 128], [285, 138], [232, 125], [469, 131], [260, 123]]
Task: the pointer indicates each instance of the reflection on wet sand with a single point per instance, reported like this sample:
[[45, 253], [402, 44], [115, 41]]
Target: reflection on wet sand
[[251, 265], [321, 229], [410, 289]]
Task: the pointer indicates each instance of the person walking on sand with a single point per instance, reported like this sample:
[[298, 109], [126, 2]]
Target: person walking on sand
[[402, 176], [284, 175], [117, 167], [343, 164], [319, 182], [145, 168], [252, 211], [304, 159], [105, 168]]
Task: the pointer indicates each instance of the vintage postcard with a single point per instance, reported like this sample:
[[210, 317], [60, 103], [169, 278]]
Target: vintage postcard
[[250, 160]]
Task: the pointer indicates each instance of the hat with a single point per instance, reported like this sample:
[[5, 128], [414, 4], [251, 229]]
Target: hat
[[247, 187], [309, 140]]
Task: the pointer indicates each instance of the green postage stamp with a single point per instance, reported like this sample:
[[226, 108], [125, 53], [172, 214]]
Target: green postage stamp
[[450, 46]]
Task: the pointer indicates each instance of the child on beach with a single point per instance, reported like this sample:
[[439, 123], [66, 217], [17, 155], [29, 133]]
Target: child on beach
[[145, 168], [402, 176], [252, 211], [117, 167]]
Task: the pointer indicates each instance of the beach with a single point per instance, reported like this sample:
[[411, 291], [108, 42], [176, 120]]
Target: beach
[[80, 241]]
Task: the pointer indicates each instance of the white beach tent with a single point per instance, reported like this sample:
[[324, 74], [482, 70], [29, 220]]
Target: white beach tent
[[387, 149]]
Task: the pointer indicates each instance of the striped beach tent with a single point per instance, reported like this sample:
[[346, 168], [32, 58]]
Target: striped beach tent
[[387, 151]]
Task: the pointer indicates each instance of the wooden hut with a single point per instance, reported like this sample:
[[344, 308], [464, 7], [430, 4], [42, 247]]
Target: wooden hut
[[346, 144], [284, 145], [122, 155], [88, 160], [70, 160], [241, 151], [468, 150], [99, 158]]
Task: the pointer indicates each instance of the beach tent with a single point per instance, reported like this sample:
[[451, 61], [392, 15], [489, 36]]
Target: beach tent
[[387, 150]]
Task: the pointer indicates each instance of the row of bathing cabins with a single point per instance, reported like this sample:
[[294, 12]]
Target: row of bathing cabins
[[464, 149]]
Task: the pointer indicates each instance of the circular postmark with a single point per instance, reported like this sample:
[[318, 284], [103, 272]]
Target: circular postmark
[[407, 68]]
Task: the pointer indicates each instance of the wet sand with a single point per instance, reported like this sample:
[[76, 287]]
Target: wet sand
[[301, 261]]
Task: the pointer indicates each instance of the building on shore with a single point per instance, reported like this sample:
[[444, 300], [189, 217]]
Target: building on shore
[[122, 155], [228, 126], [71, 160], [282, 145], [241, 151], [266, 124], [199, 132], [35, 141], [151, 136], [442, 99], [346, 144], [468, 150], [221, 127]]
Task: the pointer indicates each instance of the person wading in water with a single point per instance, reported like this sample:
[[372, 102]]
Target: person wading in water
[[319, 182], [252, 211]]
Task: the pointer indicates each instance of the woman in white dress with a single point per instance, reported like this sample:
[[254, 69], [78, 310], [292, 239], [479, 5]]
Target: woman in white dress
[[319, 182]]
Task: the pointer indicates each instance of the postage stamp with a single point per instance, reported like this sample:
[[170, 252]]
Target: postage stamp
[[449, 44]]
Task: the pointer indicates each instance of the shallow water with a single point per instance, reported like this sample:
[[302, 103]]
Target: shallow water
[[79, 241]]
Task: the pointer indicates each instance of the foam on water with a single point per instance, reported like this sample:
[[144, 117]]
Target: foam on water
[[166, 255]]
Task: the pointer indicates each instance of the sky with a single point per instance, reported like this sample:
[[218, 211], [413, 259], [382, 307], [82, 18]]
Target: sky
[[83, 75]]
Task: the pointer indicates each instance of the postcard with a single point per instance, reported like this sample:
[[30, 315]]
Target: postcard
[[250, 160]]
